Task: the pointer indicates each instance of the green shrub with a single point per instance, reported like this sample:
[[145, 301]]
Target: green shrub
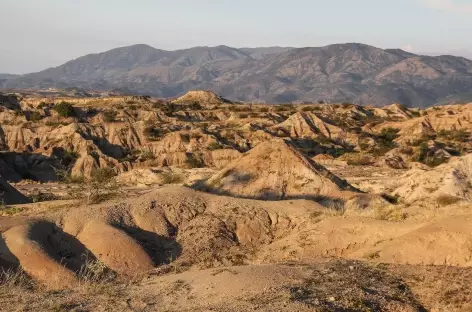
[[70, 156], [455, 135], [34, 116], [64, 109], [389, 134]]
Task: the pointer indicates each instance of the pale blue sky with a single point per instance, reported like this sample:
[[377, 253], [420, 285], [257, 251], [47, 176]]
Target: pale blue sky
[[36, 34]]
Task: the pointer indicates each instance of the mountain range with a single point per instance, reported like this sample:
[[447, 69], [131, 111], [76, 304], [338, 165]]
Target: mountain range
[[349, 72]]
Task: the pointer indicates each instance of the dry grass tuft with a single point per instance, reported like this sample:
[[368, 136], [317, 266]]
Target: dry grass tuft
[[11, 278], [94, 271], [390, 213]]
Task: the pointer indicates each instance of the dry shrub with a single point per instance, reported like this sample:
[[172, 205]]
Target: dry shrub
[[447, 200], [390, 213], [94, 271], [360, 160], [171, 178], [10, 278]]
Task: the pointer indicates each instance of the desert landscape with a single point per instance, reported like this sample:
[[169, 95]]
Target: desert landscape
[[199, 203]]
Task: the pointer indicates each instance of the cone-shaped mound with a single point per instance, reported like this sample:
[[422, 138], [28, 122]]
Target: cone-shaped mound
[[276, 170], [202, 97], [10, 195]]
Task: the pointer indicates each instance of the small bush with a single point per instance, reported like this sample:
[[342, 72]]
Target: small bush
[[194, 162], [394, 214], [64, 109], [455, 135], [146, 155], [55, 124], [447, 200], [34, 116], [195, 106], [311, 108], [39, 196], [70, 156], [94, 271], [109, 116], [360, 160], [215, 146], [102, 175], [392, 199], [171, 178]]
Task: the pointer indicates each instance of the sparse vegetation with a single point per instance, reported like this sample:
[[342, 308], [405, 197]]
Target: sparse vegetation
[[12, 278], [64, 109], [455, 135], [34, 116], [39, 196], [215, 146], [109, 116]]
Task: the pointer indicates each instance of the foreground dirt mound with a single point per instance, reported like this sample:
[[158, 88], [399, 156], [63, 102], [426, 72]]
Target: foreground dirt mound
[[171, 224], [201, 97], [276, 170], [319, 287], [328, 286], [9, 195]]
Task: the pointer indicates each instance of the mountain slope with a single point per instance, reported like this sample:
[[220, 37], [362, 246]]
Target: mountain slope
[[349, 72]]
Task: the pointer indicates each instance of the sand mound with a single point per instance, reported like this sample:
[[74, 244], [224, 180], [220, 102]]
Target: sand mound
[[37, 247], [169, 224], [276, 170], [452, 179], [202, 97], [11, 196]]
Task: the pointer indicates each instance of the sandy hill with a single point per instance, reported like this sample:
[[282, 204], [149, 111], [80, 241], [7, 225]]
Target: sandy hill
[[201, 97], [276, 170]]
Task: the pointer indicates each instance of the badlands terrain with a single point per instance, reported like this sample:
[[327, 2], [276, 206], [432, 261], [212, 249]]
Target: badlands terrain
[[132, 203]]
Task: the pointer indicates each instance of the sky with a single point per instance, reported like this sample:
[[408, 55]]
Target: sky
[[37, 34]]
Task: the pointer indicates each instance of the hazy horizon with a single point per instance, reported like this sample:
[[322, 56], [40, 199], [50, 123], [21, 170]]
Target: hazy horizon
[[44, 34]]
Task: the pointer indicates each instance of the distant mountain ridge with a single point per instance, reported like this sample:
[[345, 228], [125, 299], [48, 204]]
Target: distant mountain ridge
[[350, 72]]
